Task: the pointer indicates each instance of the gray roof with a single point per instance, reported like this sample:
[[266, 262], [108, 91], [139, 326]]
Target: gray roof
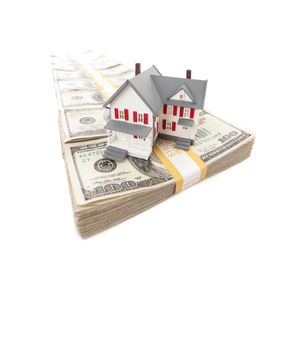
[[145, 88], [185, 122], [155, 89], [168, 86], [128, 128]]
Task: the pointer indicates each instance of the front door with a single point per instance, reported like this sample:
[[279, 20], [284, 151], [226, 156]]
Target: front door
[[121, 136], [184, 131], [121, 140]]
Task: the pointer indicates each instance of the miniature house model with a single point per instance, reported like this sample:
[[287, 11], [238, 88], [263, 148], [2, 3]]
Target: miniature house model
[[149, 106]]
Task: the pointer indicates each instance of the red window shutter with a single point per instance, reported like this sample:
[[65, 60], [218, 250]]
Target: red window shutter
[[126, 113], [174, 110], [173, 127], [192, 113], [145, 118], [135, 117], [116, 113], [165, 109], [164, 124], [181, 111]]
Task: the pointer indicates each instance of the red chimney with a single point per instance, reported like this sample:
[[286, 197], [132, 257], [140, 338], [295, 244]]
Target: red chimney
[[189, 73], [137, 68]]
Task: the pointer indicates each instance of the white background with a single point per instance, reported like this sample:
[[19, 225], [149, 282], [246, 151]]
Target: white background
[[213, 267]]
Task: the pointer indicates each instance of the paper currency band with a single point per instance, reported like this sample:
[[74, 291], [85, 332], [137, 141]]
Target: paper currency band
[[185, 166], [93, 80]]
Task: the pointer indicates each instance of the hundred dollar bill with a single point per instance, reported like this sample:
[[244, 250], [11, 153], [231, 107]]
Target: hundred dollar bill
[[93, 176], [84, 123], [79, 84], [117, 70], [81, 98], [215, 137], [118, 80], [70, 75], [106, 63], [64, 67]]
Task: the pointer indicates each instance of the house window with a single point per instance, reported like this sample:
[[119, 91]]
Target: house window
[[168, 126], [121, 114], [140, 117], [187, 112], [139, 138], [170, 110], [181, 95]]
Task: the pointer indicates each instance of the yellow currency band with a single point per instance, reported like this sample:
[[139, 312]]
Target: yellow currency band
[[199, 162], [175, 172], [171, 168], [93, 80]]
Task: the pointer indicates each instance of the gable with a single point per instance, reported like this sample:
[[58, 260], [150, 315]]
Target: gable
[[181, 95], [168, 87], [143, 85], [128, 98]]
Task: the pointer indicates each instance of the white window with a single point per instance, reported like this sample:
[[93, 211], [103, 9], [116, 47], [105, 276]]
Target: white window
[[169, 110], [139, 138], [187, 112], [168, 125], [121, 115], [140, 117]]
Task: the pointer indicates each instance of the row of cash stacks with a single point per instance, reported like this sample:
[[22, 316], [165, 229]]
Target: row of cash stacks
[[104, 191]]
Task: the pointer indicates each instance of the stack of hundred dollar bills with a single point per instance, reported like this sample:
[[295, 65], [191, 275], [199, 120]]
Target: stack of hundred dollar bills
[[104, 192]]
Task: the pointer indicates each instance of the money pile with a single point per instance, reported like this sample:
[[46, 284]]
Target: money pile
[[105, 192]]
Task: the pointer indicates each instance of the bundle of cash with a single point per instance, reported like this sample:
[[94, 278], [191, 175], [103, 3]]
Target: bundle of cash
[[105, 192]]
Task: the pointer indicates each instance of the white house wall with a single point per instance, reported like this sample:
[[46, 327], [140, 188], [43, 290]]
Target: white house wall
[[180, 131], [136, 146], [129, 99]]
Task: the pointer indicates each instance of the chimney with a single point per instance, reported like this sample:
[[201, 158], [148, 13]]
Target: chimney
[[137, 68], [189, 73]]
